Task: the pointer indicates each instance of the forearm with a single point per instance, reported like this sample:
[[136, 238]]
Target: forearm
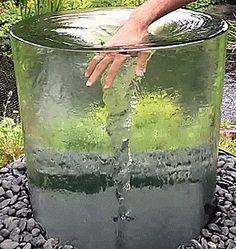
[[154, 9]]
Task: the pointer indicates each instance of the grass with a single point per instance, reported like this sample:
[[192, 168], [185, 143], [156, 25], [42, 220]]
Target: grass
[[158, 123], [11, 141], [11, 136], [232, 35], [228, 145]]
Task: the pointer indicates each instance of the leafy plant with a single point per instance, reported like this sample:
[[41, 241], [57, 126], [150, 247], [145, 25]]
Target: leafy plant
[[37, 7], [11, 141], [203, 3], [228, 145], [158, 122], [232, 35]]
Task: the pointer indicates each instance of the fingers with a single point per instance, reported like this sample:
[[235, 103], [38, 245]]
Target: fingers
[[142, 63], [93, 64], [101, 61], [114, 69], [98, 69]]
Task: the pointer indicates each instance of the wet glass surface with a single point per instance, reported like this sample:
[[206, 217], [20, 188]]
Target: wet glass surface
[[128, 167], [90, 30]]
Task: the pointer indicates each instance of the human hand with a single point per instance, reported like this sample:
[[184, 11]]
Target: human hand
[[131, 34]]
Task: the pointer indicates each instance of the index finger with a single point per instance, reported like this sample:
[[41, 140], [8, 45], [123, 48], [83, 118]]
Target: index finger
[[92, 65]]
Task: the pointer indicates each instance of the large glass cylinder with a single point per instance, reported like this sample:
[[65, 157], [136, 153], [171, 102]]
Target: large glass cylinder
[[133, 166]]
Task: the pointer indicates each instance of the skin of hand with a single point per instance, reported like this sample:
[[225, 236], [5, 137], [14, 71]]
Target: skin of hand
[[132, 34]]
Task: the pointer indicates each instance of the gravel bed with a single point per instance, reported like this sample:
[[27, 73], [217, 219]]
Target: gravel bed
[[229, 96], [18, 228]]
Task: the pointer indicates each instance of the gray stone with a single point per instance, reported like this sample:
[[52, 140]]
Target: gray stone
[[19, 180], [8, 221], [4, 170], [22, 225], [38, 241], [15, 188], [196, 244], [13, 200], [30, 225], [229, 223], [221, 245], [6, 184], [4, 203], [206, 233], [9, 194], [212, 245], [214, 227], [231, 245], [215, 238], [220, 163], [5, 210], [11, 211], [22, 244], [4, 233], [50, 243], [15, 237], [35, 232], [233, 230], [13, 225], [19, 165], [233, 174], [2, 191], [27, 237], [204, 243], [225, 230], [22, 213], [27, 246], [19, 205], [8, 244], [1, 238], [15, 231]]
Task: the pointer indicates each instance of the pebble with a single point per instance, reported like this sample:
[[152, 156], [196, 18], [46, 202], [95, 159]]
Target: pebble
[[225, 230], [6, 184], [35, 232], [206, 233], [214, 227], [8, 244], [11, 211], [22, 225], [9, 194], [27, 246], [4, 233], [2, 191], [15, 188], [30, 224], [38, 241], [13, 200], [229, 223], [4, 203], [233, 230]]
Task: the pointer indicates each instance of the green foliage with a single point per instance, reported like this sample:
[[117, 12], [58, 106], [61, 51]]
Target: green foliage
[[158, 122], [37, 7], [11, 141], [203, 3], [232, 35], [228, 145]]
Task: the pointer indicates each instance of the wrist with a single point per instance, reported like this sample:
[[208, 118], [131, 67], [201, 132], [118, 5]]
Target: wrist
[[138, 19]]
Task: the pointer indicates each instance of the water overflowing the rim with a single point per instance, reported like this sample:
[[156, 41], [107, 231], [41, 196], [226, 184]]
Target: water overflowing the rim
[[85, 31]]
